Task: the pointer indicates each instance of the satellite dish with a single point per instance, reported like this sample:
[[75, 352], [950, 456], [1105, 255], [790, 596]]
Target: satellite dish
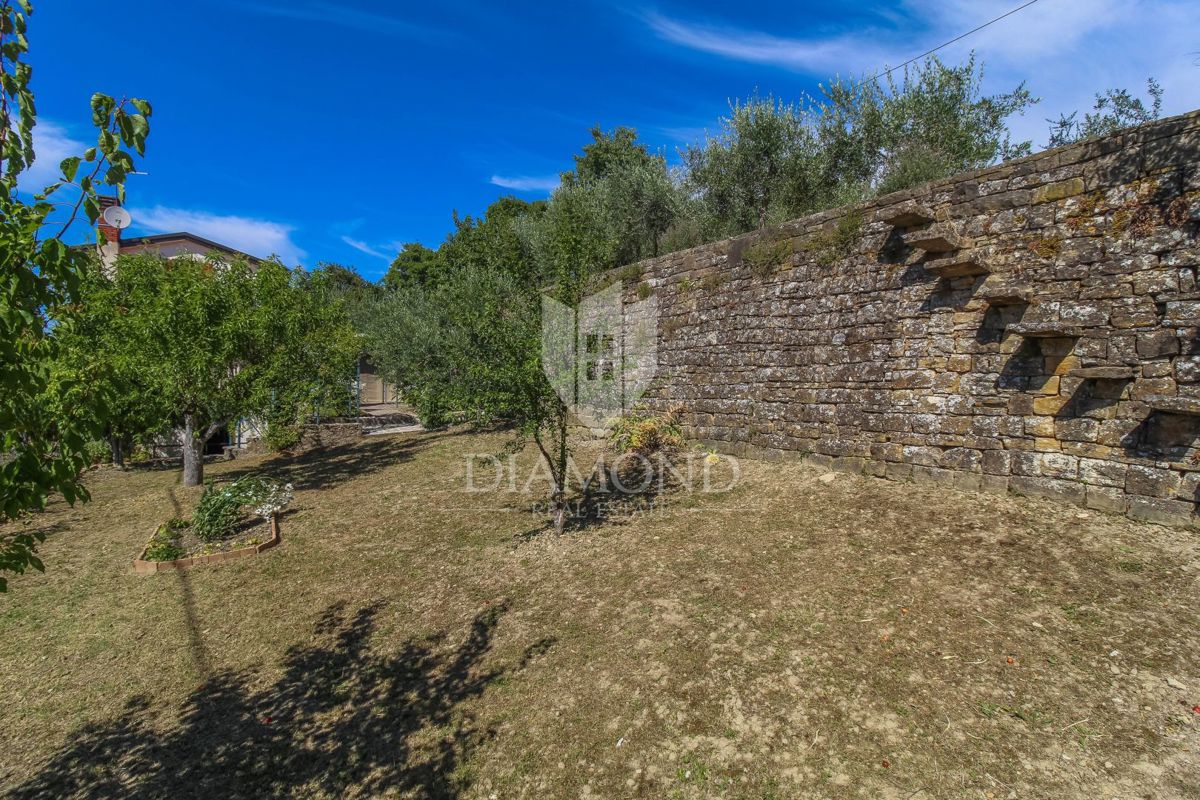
[[117, 217]]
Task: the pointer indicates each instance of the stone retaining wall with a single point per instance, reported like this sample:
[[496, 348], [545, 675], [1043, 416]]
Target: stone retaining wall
[[1032, 327]]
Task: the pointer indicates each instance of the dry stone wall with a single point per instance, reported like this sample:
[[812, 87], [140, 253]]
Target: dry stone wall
[[1032, 327]]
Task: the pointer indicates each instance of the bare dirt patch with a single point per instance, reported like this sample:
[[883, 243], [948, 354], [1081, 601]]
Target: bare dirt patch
[[791, 638]]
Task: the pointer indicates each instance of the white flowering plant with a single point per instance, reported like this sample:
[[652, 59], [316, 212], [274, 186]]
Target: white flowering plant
[[220, 506]]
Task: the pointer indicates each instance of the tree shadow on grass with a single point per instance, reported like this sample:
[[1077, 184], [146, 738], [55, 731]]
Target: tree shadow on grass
[[323, 467], [341, 719]]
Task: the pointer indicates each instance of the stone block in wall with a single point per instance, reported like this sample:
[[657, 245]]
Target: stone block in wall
[[962, 459], [1103, 287], [1088, 450], [1039, 426], [1104, 498], [993, 484], [1150, 387], [996, 462], [1060, 190], [1077, 429], [1058, 465], [1164, 512], [923, 456], [1049, 405], [1082, 250], [1171, 152], [934, 476], [1189, 487], [1158, 369], [1153, 344], [1134, 312], [851, 464], [1097, 472], [1049, 488], [1114, 432], [1182, 313], [1151, 481], [1187, 369]]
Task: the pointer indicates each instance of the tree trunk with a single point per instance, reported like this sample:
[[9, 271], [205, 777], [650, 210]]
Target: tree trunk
[[193, 453], [116, 446]]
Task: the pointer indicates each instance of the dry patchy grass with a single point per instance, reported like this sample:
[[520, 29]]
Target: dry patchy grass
[[790, 638]]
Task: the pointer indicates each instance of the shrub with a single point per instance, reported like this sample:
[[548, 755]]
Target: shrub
[[217, 512], [220, 508], [644, 433], [283, 435], [763, 258], [163, 546]]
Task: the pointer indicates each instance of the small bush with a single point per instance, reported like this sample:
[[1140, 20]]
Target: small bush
[[830, 245], [630, 274], [763, 258], [163, 546], [644, 433], [97, 451], [217, 512], [220, 509], [283, 435], [644, 290]]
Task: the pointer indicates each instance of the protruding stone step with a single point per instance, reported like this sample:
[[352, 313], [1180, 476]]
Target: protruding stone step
[[1007, 294], [1102, 373], [1174, 405], [907, 215], [960, 265], [1045, 330], [937, 238]]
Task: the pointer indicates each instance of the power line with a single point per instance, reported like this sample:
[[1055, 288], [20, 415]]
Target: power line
[[955, 39]]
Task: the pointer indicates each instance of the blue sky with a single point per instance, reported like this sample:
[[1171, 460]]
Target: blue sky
[[323, 130]]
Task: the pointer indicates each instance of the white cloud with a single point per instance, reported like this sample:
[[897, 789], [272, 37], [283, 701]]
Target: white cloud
[[258, 237], [807, 55], [363, 247], [527, 183], [1065, 50], [51, 144]]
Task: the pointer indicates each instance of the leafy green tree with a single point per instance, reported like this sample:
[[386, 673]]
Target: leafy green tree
[[1113, 110], [414, 264], [755, 171], [933, 123], [96, 379], [40, 453], [220, 341], [773, 160], [306, 345], [189, 324], [642, 200], [342, 279], [492, 242]]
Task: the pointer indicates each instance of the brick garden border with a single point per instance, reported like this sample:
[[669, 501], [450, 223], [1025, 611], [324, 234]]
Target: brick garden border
[[143, 567]]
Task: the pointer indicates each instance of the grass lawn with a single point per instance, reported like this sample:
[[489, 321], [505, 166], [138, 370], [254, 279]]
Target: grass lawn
[[790, 638]]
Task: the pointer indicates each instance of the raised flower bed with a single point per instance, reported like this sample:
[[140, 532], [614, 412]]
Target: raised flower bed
[[231, 521]]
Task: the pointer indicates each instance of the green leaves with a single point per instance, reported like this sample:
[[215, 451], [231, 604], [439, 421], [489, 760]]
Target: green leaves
[[102, 108], [69, 167], [44, 431]]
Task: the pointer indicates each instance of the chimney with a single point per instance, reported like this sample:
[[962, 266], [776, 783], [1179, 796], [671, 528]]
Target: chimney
[[110, 248], [111, 234]]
